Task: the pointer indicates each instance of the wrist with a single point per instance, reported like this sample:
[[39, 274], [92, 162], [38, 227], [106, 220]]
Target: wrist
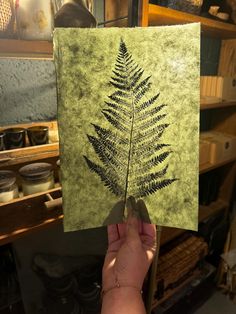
[[119, 290], [123, 300]]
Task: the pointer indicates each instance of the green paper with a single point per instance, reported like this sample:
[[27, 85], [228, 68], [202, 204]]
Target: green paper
[[128, 114]]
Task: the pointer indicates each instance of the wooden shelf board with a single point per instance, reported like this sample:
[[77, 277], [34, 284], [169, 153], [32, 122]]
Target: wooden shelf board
[[169, 234], [28, 154], [15, 48], [208, 166], [164, 16], [23, 216], [206, 212], [223, 104], [19, 233], [171, 292]]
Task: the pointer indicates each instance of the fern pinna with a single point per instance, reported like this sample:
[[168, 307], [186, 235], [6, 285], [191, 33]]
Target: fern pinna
[[130, 153]]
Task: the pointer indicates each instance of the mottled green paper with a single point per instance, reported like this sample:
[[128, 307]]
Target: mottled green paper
[[84, 61]]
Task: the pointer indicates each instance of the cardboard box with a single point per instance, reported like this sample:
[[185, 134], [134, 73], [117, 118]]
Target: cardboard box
[[218, 87], [204, 152], [222, 146]]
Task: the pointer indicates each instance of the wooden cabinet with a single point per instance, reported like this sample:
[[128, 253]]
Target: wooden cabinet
[[223, 115], [29, 213]]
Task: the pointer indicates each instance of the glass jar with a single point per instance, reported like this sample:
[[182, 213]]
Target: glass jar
[[8, 186], [37, 177]]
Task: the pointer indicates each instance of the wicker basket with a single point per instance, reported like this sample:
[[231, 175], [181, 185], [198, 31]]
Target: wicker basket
[[176, 264], [7, 19], [191, 6]]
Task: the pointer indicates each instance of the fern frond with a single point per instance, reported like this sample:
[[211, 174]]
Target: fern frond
[[151, 122], [116, 115], [122, 76], [147, 103], [151, 188], [139, 95], [117, 107], [106, 177], [147, 150], [141, 85], [148, 165], [108, 135], [119, 100], [146, 114], [145, 134], [133, 161], [115, 123]]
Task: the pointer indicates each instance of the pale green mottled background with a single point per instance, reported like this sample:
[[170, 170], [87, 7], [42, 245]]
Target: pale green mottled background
[[84, 61]]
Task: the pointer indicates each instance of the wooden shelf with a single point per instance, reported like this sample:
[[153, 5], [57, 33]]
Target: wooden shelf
[[208, 166], [14, 48], [28, 154], [158, 15], [223, 104], [206, 212], [26, 215], [169, 234]]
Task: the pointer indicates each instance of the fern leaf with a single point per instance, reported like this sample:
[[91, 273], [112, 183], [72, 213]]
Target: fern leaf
[[130, 153], [148, 103], [145, 134], [117, 107], [149, 113], [108, 135], [106, 177], [154, 161], [150, 188], [116, 115], [151, 122], [147, 150]]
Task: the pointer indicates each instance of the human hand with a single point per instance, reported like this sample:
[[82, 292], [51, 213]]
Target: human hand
[[130, 252]]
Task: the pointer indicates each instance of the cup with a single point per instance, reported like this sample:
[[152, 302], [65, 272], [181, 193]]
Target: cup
[[38, 135], [14, 138], [2, 141]]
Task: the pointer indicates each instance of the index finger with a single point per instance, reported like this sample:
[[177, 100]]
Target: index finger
[[113, 233], [149, 230]]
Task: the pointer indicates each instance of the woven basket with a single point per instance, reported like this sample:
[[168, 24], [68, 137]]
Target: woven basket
[[7, 19], [191, 6], [174, 265]]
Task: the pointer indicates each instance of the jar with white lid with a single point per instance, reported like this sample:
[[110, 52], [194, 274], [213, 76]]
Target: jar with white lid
[[37, 177], [8, 186]]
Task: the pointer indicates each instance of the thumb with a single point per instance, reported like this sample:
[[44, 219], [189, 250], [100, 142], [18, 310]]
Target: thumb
[[132, 224]]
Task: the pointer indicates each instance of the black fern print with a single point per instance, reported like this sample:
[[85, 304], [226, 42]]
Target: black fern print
[[133, 161]]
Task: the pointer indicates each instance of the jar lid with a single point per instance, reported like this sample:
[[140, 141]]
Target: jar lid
[[36, 171], [7, 178]]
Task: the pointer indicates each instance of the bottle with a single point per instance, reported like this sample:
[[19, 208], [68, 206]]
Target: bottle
[[34, 19], [37, 177], [8, 186]]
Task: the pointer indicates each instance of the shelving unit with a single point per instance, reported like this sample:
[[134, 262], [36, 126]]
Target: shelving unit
[[154, 15], [223, 113], [26, 214], [15, 48], [223, 104]]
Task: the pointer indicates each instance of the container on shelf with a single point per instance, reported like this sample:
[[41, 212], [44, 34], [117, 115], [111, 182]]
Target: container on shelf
[[34, 19], [38, 135], [222, 146], [53, 136], [7, 19], [218, 88], [37, 177], [8, 186], [2, 141], [204, 152], [190, 6], [15, 138]]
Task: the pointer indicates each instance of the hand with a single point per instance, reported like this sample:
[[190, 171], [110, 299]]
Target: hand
[[130, 251]]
